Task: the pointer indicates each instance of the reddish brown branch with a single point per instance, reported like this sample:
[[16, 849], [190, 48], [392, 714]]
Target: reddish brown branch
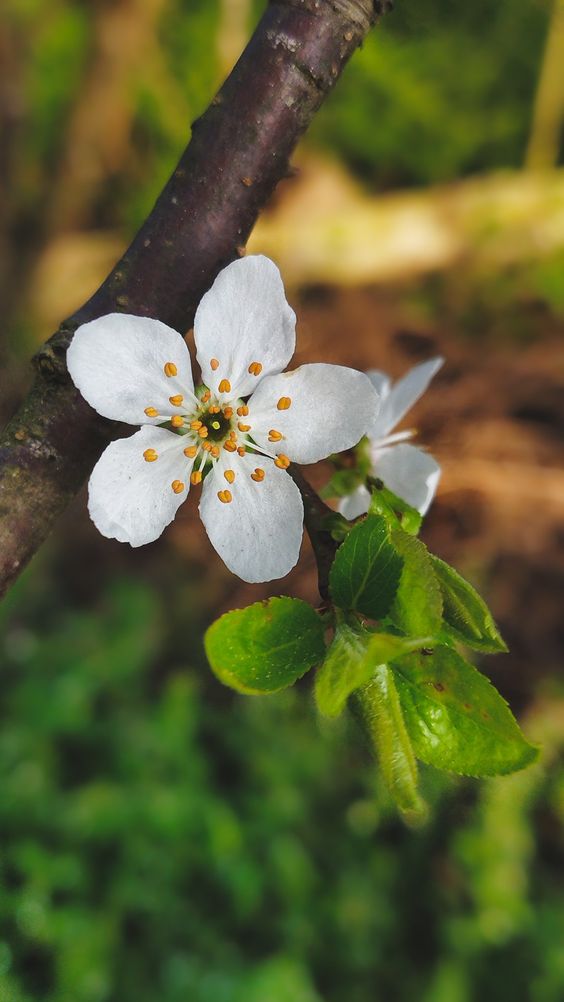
[[238, 152]]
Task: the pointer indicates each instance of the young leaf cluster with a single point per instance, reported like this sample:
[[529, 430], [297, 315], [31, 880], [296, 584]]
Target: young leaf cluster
[[389, 649]]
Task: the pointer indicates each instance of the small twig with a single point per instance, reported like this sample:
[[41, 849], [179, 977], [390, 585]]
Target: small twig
[[316, 513]]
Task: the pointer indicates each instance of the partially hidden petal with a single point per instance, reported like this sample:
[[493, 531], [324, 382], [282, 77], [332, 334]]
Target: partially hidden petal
[[355, 504], [132, 500], [402, 396], [410, 473], [118, 364], [318, 409], [381, 383], [244, 323], [259, 532]]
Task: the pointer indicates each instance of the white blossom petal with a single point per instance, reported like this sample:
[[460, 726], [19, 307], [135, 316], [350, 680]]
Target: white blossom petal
[[381, 383], [258, 535], [410, 473], [330, 410], [244, 318], [117, 362], [132, 500], [355, 504], [402, 396]]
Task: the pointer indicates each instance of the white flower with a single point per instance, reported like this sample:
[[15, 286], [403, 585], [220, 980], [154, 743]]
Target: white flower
[[406, 470], [238, 432]]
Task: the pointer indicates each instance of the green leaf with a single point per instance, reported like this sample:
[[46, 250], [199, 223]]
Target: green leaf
[[379, 708], [351, 661], [465, 613], [366, 570], [265, 647], [457, 721], [418, 605], [398, 512], [342, 483]]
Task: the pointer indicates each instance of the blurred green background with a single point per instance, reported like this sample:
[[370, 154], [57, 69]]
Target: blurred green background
[[161, 837]]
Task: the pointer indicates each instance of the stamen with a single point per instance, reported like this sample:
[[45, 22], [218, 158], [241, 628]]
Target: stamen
[[284, 403], [214, 410], [243, 410], [191, 451], [233, 435], [228, 412], [255, 368], [225, 496], [206, 397], [170, 370], [214, 364], [207, 446], [178, 486], [230, 446], [150, 455], [203, 432], [243, 427], [225, 386], [176, 400], [275, 436], [229, 476], [195, 425], [195, 477], [215, 451], [151, 412], [282, 461], [258, 475], [241, 450], [177, 421]]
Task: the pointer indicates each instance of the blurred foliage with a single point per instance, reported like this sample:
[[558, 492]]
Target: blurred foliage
[[439, 90], [162, 838]]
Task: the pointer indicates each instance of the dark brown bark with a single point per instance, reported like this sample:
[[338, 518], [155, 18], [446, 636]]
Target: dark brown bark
[[238, 152]]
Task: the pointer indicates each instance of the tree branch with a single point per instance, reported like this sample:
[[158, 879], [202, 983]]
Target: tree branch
[[238, 152]]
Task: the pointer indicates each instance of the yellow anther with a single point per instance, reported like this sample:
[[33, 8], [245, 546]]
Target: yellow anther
[[176, 400], [228, 412], [241, 450], [203, 432], [224, 386], [284, 403], [230, 446], [206, 396], [214, 410], [229, 476], [225, 496], [195, 425], [243, 410], [233, 435], [255, 368], [243, 427], [195, 477], [171, 370], [258, 475], [214, 364], [151, 412], [177, 486], [191, 451], [207, 446], [275, 436], [282, 462], [215, 451], [177, 421], [150, 455]]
